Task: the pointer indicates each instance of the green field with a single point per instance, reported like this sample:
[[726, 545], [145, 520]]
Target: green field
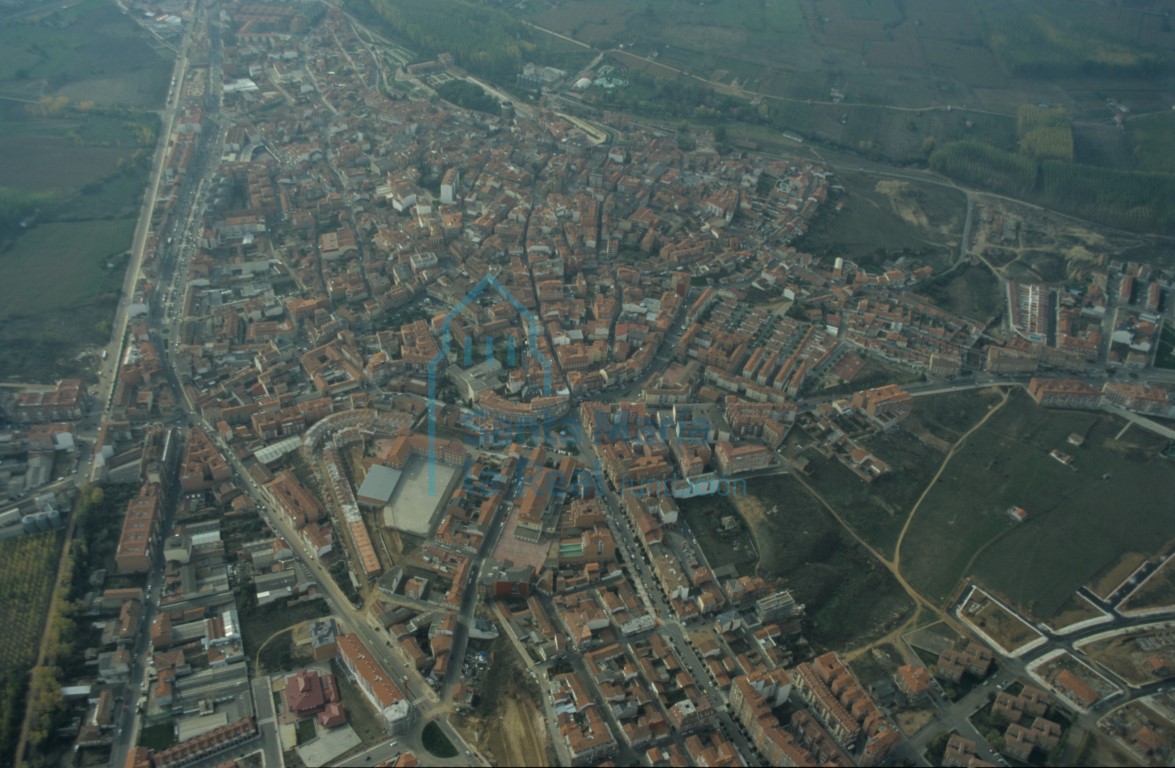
[[948, 417], [696, 26], [305, 730], [258, 623], [1079, 523], [436, 742], [848, 595], [1165, 354], [60, 265], [882, 220], [1158, 591], [1150, 138], [878, 510], [970, 291], [89, 52], [158, 737]]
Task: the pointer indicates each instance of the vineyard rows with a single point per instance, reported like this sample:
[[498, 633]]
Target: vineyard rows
[[26, 584]]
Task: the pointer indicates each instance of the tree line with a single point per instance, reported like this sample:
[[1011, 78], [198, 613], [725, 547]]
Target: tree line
[[95, 539], [1135, 200], [469, 95]]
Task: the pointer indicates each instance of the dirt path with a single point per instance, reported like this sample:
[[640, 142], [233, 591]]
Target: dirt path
[[897, 550], [894, 566], [519, 738]]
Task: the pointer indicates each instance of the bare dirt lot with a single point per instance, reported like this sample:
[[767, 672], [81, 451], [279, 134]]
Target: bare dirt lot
[[1105, 584], [517, 736]]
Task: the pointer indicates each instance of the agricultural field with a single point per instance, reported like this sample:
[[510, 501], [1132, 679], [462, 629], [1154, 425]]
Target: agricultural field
[[89, 52], [896, 80], [963, 529], [1150, 140], [85, 152], [71, 150], [26, 584], [56, 266]]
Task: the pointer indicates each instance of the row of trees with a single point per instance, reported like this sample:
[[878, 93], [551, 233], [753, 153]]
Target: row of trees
[[25, 585], [1133, 200], [95, 538], [1045, 132], [982, 165]]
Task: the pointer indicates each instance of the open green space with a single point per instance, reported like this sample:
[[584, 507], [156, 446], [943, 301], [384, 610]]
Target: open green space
[[258, 623], [157, 737], [76, 144], [948, 417], [883, 220], [877, 665], [1158, 590], [606, 23], [877, 511], [75, 150], [1079, 521], [848, 595], [436, 742], [367, 724], [721, 546], [1165, 354], [971, 291], [61, 265], [50, 164], [305, 730], [88, 52]]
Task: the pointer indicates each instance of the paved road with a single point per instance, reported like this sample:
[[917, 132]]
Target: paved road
[[267, 723]]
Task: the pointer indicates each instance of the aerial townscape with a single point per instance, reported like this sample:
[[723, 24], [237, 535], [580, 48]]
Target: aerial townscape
[[665, 383]]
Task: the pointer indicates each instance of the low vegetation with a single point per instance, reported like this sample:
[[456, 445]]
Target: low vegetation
[[1136, 200], [437, 743], [15, 206], [1044, 132], [486, 41], [26, 583], [1048, 40], [99, 514], [963, 529], [469, 95]]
